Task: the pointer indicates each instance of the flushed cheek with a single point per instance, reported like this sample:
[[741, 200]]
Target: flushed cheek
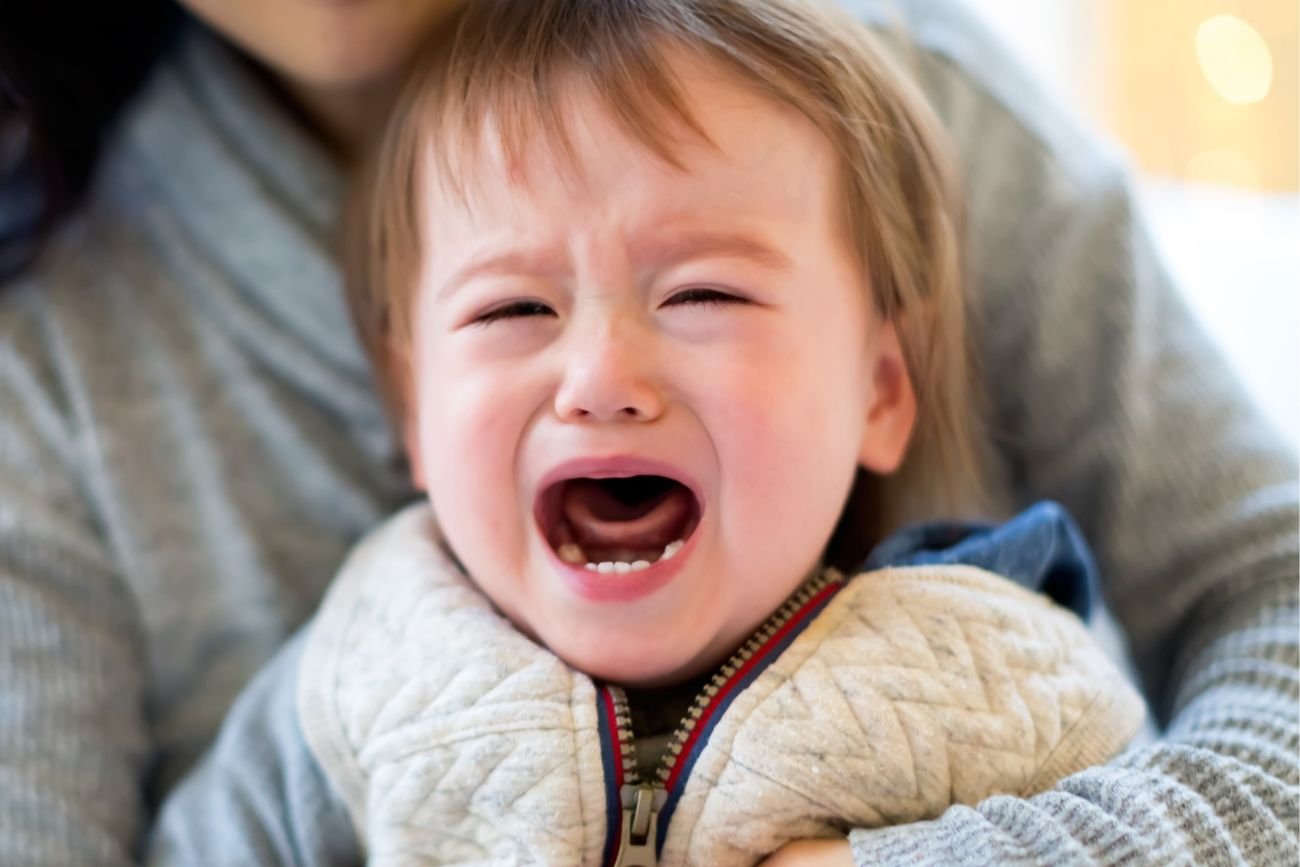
[[784, 468], [470, 467]]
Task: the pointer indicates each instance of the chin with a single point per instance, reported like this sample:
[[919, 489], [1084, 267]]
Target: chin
[[348, 70], [621, 661]]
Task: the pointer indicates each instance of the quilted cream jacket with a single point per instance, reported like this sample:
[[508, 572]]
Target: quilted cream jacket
[[885, 699]]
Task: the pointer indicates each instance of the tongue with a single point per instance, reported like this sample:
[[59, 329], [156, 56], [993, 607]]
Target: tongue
[[600, 519]]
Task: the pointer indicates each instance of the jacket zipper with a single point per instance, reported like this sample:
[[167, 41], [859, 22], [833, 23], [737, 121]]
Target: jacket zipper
[[642, 803]]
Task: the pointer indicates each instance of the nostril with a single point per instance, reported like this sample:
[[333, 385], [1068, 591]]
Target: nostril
[[608, 395]]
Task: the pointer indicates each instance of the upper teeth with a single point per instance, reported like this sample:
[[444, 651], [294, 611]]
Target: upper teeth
[[571, 553]]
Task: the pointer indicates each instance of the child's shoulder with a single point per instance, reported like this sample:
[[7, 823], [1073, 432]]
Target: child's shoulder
[[1040, 549]]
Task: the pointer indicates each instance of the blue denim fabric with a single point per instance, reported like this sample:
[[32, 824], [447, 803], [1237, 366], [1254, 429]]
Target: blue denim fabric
[[1040, 549]]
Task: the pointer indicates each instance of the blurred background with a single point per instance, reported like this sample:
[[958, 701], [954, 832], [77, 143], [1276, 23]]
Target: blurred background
[[1205, 97]]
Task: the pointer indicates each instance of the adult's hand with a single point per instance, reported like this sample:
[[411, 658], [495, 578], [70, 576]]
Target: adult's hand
[[812, 853]]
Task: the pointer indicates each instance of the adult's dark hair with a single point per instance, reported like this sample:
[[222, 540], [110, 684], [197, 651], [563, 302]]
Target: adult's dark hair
[[66, 69]]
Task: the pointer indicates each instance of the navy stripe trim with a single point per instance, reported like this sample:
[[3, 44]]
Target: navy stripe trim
[[612, 760]]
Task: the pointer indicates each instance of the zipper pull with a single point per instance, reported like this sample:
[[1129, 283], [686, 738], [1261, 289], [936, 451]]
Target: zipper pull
[[641, 805]]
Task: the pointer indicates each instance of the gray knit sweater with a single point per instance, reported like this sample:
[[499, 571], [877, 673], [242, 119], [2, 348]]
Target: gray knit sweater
[[189, 441]]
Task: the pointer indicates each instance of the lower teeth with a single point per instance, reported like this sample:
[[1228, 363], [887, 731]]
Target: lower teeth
[[571, 553]]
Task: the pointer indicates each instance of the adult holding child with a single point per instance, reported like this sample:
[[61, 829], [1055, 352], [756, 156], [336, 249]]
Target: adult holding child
[[141, 593]]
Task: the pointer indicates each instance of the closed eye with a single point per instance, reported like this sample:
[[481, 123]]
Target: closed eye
[[703, 295], [514, 310]]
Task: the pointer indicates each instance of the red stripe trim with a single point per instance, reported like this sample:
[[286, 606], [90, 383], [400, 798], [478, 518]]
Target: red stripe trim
[[702, 724], [616, 747]]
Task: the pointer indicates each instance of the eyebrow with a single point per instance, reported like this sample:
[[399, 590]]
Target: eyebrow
[[503, 264], [658, 253]]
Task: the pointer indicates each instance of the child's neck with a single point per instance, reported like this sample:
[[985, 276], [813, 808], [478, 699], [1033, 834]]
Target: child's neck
[[656, 713], [659, 709]]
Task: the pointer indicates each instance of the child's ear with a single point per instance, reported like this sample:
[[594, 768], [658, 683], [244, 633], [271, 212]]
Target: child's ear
[[891, 414]]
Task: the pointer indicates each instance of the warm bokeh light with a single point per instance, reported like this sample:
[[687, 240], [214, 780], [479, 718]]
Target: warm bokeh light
[[1235, 59], [1203, 90]]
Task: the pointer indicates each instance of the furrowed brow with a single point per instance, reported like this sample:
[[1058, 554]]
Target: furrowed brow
[[657, 253], [720, 245]]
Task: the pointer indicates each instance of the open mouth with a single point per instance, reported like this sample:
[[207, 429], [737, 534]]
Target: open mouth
[[617, 525]]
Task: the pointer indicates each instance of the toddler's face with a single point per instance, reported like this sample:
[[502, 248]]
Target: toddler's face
[[639, 396]]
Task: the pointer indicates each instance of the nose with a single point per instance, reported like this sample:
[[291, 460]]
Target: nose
[[609, 374]]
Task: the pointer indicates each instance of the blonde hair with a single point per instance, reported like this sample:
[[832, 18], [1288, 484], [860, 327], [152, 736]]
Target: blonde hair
[[507, 62]]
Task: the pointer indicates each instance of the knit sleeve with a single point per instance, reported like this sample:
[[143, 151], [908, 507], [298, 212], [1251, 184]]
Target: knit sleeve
[[259, 796], [73, 741], [1106, 396], [1218, 788]]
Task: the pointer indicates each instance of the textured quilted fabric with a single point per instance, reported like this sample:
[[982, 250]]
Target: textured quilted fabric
[[455, 739]]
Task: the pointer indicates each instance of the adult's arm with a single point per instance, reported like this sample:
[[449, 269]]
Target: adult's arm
[[76, 744], [258, 796], [1106, 396], [73, 740]]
